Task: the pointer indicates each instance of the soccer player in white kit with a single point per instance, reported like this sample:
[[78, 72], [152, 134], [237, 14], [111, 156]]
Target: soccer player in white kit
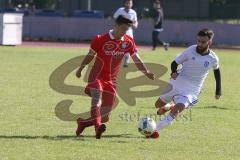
[[131, 14], [187, 82]]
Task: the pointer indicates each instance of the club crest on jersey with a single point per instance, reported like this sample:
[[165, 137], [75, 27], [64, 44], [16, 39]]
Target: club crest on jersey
[[193, 58], [206, 64], [123, 45]]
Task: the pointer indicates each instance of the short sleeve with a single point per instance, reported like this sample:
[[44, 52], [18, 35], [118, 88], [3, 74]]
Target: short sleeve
[[133, 49], [135, 16], [95, 45], [216, 63], [182, 57], [116, 14]]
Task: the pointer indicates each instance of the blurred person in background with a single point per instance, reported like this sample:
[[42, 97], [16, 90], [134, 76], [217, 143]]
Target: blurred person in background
[[131, 14], [158, 21]]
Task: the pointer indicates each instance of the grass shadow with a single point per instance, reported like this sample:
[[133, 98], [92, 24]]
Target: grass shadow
[[216, 107], [55, 138], [63, 137], [120, 136]]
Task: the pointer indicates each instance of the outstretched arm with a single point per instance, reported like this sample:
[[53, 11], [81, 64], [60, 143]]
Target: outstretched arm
[[140, 65], [87, 59], [217, 76]]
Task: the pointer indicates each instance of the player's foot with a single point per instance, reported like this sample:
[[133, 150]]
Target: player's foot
[[164, 109], [80, 127], [125, 65], [166, 46], [154, 135], [154, 48], [100, 130]]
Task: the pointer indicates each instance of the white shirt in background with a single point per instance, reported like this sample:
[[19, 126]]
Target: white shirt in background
[[132, 15]]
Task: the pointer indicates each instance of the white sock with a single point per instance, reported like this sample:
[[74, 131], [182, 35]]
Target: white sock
[[167, 106], [165, 122]]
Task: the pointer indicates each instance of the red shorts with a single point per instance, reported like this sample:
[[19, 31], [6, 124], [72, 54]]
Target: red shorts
[[107, 88]]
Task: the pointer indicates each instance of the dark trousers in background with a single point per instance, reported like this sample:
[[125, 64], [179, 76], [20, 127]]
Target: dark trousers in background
[[155, 39]]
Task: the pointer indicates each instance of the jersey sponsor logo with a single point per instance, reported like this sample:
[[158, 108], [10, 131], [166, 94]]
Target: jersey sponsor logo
[[109, 46], [114, 53], [206, 64]]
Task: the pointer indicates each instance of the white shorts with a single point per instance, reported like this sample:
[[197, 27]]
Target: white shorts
[[178, 96]]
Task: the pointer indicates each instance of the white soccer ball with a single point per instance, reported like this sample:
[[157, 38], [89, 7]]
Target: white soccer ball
[[146, 126]]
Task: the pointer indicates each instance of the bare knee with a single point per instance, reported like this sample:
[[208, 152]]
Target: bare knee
[[96, 97], [159, 103], [178, 108]]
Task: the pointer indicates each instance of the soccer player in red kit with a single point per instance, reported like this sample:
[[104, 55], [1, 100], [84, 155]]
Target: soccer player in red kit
[[108, 50]]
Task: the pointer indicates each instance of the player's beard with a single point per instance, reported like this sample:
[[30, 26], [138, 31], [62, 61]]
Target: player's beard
[[202, 50]]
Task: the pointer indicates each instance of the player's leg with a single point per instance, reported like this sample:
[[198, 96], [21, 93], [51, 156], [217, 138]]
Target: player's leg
[[164, 102], [161, 42], [94, 90], [96, 113], [160, 103], [166, 46], [154, 39], [178, 108], [109, 101], [107, 107], [108, 104], [95, 107], [182, 102], [95, 118], [163, 106], [127, 58]]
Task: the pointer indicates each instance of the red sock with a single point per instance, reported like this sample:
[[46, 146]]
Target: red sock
[[96, 116], [86, 122]]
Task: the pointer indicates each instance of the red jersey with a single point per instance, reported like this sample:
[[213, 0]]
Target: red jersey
[[109, 54]]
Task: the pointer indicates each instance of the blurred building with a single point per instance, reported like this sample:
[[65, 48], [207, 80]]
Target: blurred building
[[3, 3], [172, 8]]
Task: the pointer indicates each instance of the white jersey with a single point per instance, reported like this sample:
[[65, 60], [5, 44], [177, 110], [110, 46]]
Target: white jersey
[[132, 15], [194, 71]]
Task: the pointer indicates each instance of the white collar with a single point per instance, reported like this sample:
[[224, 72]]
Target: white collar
[[112, 37]]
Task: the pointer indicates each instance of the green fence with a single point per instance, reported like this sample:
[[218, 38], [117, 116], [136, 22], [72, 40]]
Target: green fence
[[229, 9]]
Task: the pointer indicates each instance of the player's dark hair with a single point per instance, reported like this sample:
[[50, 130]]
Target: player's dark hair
[[206, 32], [123, 20]]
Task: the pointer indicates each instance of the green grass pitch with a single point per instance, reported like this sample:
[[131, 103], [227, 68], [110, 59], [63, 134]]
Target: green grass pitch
[[30, 130]]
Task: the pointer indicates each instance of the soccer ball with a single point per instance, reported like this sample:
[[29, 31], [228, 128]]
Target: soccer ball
[[146, 126]]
